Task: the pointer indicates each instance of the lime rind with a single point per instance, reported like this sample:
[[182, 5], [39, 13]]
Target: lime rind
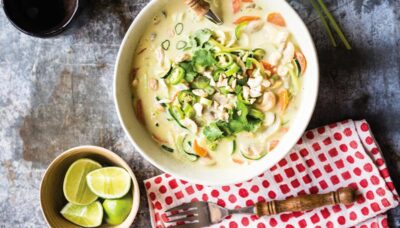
[[75, 188], [109, 182], [117, 210], [84, 215]]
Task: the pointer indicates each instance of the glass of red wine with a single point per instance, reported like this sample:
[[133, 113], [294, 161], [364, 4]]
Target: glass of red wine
[[41, 18]]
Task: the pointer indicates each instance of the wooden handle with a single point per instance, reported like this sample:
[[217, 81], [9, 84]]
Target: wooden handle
[[306, 202], [201, 7]]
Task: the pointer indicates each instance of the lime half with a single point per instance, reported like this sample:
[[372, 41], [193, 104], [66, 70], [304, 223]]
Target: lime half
[[75, 187], [84, 215], [116, 210], [109, 182]]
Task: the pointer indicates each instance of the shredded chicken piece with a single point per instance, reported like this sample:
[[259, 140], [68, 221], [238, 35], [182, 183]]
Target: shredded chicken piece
[[268, 102], [254, 26], [182, 57], [153, 84], [160, 56]]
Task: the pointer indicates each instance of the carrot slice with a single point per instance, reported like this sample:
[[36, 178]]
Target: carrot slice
[[283, 100], [302, 61], [246, 19], [236, 5], [248, 1], [238, 160], [139, 112], [273, 144], [158, 139], [268, 66], [199, 150], [276, 19]]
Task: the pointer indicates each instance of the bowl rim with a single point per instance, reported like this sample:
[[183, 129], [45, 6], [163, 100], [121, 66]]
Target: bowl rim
[[89, 148], [236, 178]]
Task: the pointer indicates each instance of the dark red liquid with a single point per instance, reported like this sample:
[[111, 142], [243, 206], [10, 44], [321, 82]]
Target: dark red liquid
[[37, 16]]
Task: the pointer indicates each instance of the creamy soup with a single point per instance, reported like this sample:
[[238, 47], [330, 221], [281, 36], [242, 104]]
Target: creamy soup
[[220, 95]]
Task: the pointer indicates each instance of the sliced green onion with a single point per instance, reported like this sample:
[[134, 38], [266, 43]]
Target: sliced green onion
[[186, 97], [179, 28], [200, 82], [209, 90], [296, 62], [294, 79], [224, 90], [175, 117], [189, 111], [225, 49], [239, 28], [233, 147], [184, 144], [253, 157], [177, 75], [166, 148], [249, 63], [181, 45], [258, 65], [162, 104], [232, 69], [205, 101], [259, 53], [275, 77], [224, 59], [166, 44], [256, 114], [217, 74], [178, 112], [168, 72]]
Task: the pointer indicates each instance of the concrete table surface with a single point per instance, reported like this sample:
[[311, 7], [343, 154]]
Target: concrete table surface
[[57, 93]]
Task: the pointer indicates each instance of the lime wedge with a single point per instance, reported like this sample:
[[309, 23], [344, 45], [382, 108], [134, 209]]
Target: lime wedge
[[84, 215], [75, 187], [109, 182], [116, 210]]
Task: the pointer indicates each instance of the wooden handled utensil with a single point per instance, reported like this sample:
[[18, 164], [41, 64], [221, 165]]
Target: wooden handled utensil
[[202, 214], [202, 8], [306, 202]]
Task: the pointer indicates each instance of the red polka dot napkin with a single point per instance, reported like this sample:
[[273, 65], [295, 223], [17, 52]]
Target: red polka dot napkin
[[324, 159]]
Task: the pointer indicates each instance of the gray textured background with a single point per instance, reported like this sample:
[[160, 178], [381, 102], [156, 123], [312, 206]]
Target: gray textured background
[[57, 93]]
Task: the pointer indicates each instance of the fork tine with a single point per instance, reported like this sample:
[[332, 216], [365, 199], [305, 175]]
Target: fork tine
[[182, 207], [185, 219], [189, 225], [190, 212]]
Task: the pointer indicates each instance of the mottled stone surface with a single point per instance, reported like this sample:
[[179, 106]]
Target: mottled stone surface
[[57, 93]]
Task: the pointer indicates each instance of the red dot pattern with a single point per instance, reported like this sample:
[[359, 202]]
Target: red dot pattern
[[338, 155]]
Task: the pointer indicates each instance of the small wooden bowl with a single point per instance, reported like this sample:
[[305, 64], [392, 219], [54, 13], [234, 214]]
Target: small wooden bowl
[[52, 199]]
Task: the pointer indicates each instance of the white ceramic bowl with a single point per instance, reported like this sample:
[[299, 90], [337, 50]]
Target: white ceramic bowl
[[196, 173]]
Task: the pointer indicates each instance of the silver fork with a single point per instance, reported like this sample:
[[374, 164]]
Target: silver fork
[[202, 214]]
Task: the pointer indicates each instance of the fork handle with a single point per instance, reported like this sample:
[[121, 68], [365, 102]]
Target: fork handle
[[306, 202], [201, 7]]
